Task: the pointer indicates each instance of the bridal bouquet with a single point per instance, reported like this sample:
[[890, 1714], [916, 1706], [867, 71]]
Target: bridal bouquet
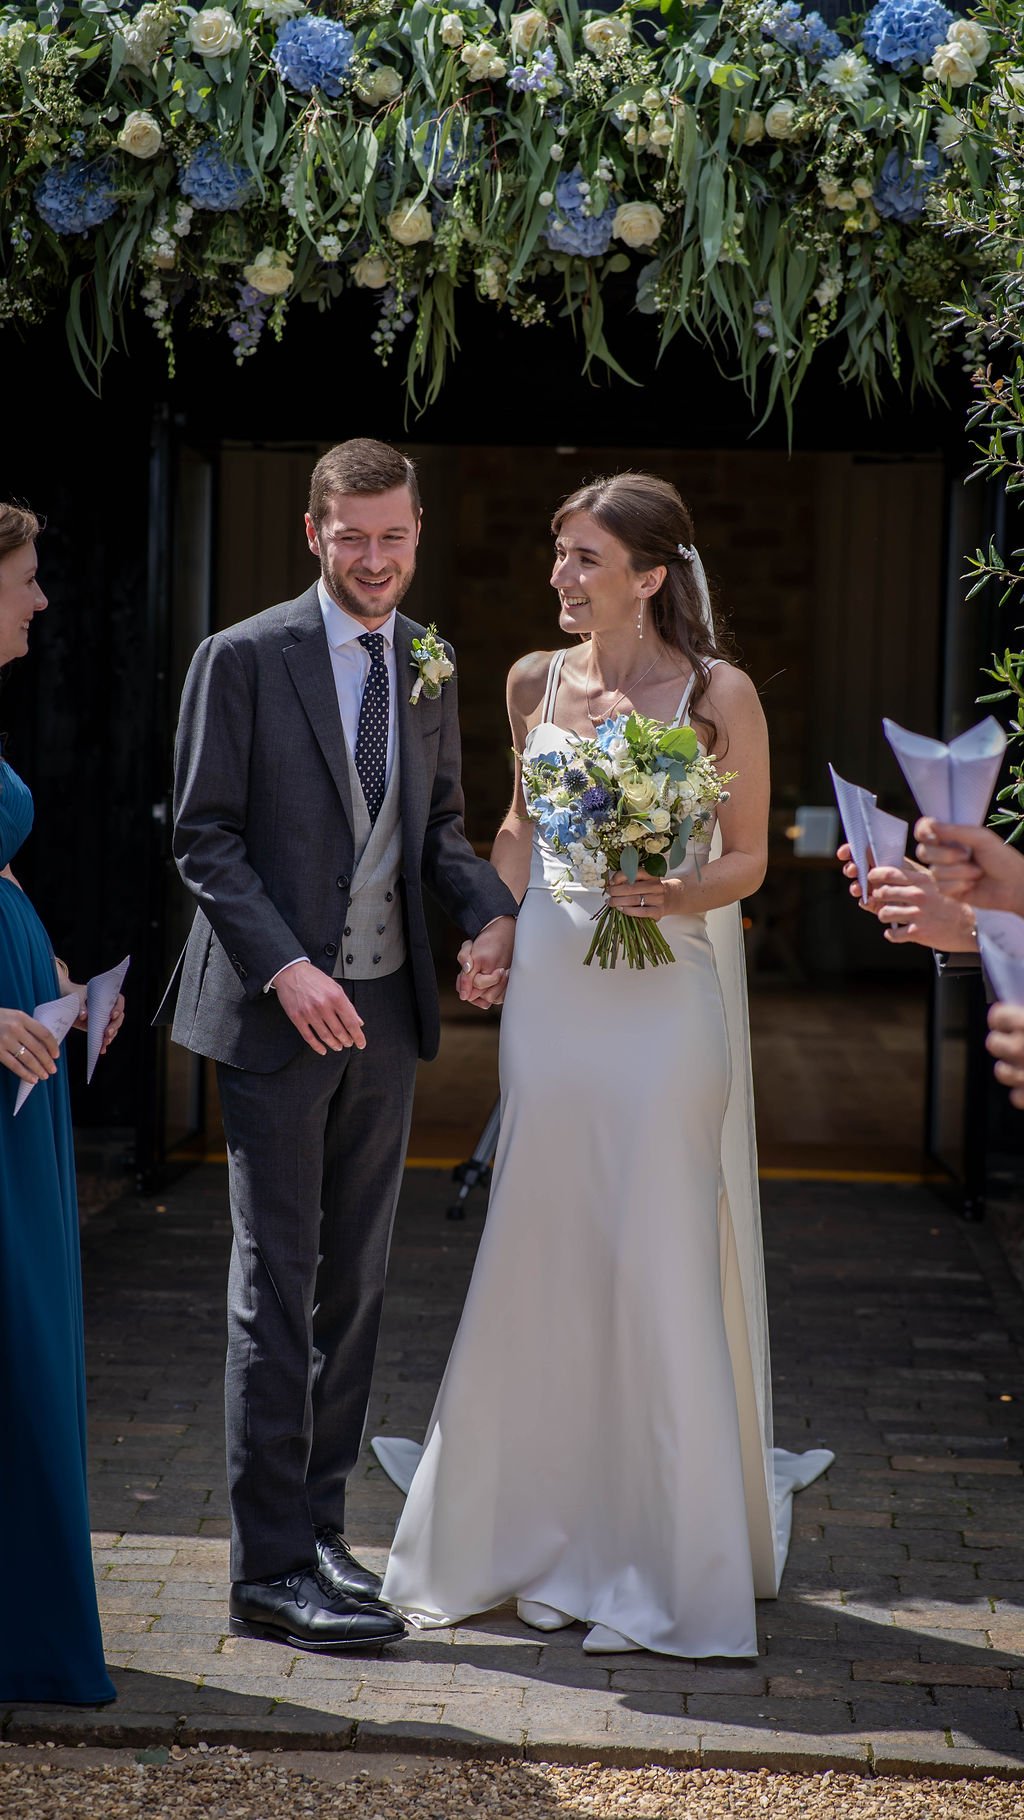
[[630, 796]]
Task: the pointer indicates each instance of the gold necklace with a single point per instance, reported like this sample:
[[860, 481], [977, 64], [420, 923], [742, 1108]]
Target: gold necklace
[[596, 719]]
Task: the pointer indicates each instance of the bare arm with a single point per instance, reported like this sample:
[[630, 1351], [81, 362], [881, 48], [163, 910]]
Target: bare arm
[[513, 843]]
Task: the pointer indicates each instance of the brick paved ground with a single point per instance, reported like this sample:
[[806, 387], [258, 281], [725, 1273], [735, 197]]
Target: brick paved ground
[[898, 1642]]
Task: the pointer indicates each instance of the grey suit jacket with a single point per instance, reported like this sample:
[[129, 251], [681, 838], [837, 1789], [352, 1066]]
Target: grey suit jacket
[[263, 831]]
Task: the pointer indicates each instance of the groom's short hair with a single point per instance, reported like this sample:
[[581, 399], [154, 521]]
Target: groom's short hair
[[360, 466]]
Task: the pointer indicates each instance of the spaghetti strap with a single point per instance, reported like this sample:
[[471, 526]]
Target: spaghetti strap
[[682, 717], [554, 672]]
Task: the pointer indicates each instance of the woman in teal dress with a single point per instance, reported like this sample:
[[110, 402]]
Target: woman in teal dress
[[50, 1643]]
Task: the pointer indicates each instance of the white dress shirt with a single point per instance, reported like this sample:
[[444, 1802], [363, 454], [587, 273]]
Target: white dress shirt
[[350, 662]]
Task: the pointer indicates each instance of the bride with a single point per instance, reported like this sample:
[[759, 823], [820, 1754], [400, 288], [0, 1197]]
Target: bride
[[600, 1449]]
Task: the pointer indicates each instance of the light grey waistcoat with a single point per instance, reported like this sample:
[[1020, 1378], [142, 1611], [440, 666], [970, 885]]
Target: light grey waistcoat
[[373, 940]]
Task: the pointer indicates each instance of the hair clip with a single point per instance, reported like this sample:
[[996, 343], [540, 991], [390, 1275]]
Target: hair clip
[[686, 551]]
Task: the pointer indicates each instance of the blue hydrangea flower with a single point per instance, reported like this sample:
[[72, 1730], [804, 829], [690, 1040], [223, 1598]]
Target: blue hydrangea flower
[[905, 32], [609, 730], [900, 191], [73, 198], [456, 153], [314, 52], [805, 33], [210, 181], [568, 229]]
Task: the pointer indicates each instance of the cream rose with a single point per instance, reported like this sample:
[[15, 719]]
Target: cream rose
[[778, 121], [747, 129], [973, 38], [660, 820], [371, 271], [140, 135], [380, 84], [602, 36], [633, 832], [862, 188], [269, 273], [637, 223], [638, 794], [452, 33], [830, 189], [410, 223], [953, 64], [526, 31], [213, 32]]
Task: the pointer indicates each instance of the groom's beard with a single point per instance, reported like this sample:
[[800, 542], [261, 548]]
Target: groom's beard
[[356, 604]]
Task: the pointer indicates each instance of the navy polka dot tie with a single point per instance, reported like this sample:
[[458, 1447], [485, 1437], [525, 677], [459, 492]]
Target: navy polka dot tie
[[372, 733]]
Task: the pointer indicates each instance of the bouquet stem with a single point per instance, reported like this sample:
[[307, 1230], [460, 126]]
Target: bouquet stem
[[638, 938]]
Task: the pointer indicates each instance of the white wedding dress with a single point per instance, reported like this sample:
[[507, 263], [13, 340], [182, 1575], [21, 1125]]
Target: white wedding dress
[[601, 1442]]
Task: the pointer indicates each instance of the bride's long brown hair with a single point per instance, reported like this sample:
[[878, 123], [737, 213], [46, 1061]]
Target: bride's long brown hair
[[650, 520]]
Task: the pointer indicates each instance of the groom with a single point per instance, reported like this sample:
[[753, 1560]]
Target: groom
[[313, 801]]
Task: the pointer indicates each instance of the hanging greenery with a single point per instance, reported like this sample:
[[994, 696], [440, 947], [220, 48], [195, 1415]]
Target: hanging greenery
[[989, 323], [742, 172]]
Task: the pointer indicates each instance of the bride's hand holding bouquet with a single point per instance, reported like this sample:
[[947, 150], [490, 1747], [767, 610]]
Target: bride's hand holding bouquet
[[622, 807]]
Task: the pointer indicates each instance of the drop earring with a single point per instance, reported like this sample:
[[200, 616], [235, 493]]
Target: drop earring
[[640, 618]]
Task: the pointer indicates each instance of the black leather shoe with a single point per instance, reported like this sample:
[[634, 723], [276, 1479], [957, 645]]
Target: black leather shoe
[[341, 1570], [302, 1610]]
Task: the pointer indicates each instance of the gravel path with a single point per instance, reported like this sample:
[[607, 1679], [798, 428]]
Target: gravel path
[[227, 1785]]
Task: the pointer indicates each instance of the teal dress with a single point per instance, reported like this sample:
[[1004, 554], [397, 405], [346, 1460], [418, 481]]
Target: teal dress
[[50, 1642]]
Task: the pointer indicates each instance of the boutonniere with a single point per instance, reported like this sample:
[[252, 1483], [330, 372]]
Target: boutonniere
[[433, 665]]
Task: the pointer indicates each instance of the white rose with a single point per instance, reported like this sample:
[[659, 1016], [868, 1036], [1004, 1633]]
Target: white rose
[[371, 272], [953, 64], [526, 31], [602, 36], [452, 33], [747, 129], [213, 33], [845, 200], [140, 135], [972, 37], [778, 121], [269, 272], [436, 670], [381, 84], [660, 820], [632, 833], [637, 223], [657, 845], [410, 223], [638, 794], [862, 188], [949, 131]]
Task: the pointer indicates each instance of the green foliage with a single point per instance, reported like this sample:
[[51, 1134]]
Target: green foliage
[[751, 229], [989, 322]]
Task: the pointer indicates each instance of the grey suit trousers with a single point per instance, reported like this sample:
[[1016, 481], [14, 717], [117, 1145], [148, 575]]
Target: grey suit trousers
[[316, 1152]]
